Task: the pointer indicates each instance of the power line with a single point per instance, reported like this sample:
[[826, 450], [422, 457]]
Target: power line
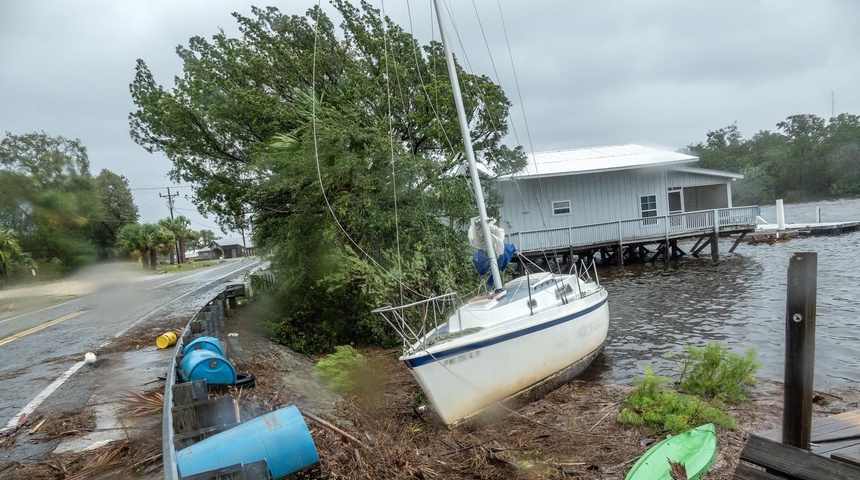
[[159, 188]]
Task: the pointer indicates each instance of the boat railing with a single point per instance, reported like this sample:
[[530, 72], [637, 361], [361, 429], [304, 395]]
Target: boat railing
[[415, 320]]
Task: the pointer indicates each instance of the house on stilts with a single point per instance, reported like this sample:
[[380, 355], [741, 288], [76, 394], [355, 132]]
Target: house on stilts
[[618, 204]]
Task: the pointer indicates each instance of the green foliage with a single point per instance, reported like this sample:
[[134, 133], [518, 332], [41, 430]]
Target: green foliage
[[715, 372], [344, 370], [654, 405], [145, 242], [116, 209], [57, 209], [300, 124], [712, 372], [807, 158], [10, 252]]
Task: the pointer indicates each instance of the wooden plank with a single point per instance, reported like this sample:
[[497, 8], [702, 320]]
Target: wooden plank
[[841, 425], [821, 426], [746, 472], [851, 457], [190, 392], [799, 348], [828, 448], [795, 462], [206, 413], [187, 439]]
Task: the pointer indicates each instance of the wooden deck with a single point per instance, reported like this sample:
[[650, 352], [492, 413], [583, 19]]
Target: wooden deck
[[805, 229], [834, 453], [836, 437]]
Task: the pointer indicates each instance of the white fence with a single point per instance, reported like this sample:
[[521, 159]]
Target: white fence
[[635, 230]]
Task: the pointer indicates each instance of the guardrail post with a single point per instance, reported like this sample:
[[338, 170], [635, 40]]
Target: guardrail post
[[799, 349]]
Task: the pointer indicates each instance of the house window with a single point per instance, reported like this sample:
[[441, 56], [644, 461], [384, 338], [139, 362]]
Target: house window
[[648, 207], [561, 207]]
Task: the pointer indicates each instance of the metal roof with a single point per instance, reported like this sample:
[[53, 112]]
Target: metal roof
[[597, 159], [708, 171]]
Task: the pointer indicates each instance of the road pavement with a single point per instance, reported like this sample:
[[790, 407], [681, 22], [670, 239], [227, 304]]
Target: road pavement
[[42, 352]]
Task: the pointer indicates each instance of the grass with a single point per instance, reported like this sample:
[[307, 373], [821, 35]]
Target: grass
[[187, 267]]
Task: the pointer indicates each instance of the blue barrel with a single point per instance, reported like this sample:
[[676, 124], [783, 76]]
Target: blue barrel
[[204, 343], [206, 365], [281, 438]]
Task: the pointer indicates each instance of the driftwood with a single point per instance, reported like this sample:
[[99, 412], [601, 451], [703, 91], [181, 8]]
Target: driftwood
[[335, 429]]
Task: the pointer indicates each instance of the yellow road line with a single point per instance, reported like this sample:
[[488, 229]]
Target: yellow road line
[[40, 327]]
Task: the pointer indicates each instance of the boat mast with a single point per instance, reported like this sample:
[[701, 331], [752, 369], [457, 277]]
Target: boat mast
[[470, 154]]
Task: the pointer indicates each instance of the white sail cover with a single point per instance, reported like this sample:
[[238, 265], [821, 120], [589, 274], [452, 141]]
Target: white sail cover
[[476, 235]]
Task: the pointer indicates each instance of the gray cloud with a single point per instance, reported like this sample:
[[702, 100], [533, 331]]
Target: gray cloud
[[661, 72]]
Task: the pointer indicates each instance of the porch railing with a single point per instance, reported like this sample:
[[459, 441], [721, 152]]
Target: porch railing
[[635, 230]]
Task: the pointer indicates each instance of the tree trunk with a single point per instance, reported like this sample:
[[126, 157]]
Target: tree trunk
[[144, 259], [181, 251], [153, 259]]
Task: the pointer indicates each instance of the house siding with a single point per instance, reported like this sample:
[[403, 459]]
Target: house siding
[[595, 198]]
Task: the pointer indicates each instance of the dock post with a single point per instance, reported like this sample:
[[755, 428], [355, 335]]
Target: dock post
[[799, 349], [780, 217], [620, 247], [715, 237]]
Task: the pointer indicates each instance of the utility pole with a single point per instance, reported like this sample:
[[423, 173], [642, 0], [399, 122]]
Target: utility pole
[[170, 198]]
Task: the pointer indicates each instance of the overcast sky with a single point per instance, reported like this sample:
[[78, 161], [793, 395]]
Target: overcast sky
[[659, 73]]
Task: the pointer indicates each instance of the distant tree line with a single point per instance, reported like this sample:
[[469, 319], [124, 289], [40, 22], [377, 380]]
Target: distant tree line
[[54, 215], [806, 158]]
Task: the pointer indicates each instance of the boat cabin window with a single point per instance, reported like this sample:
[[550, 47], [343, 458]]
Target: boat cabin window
[[561, 207], [648, 207]]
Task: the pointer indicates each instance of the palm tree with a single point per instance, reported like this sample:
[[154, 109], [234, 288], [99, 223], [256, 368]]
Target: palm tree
[[164, 241], [134, 239], [10, 251], [179, 227]]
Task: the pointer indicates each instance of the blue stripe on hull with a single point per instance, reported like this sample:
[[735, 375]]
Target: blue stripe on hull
[[423, 360]]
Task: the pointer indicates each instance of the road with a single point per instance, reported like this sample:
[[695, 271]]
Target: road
[[42, 351]]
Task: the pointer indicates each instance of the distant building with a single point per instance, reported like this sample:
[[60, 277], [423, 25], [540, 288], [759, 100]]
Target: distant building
[[613, 196], [226, 248]]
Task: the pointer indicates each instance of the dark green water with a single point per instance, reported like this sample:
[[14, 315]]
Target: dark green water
[[740, 301]]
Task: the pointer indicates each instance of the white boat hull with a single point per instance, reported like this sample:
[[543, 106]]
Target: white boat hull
[[467, 375]]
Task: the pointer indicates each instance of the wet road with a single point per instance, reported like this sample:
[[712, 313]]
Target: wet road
[[41, 350]]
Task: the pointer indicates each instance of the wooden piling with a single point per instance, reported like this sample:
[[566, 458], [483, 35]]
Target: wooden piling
[[799, 349]]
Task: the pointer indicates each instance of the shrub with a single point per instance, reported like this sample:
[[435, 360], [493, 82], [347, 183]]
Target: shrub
[[716, 372], [653, 404], [711, 372], [343, 370]]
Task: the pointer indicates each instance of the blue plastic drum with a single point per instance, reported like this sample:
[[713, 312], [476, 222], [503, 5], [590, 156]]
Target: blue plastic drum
[[206, 365], [281, 438], [204, 343]]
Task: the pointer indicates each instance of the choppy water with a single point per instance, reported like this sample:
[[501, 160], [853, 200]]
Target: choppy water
[[740, 301]]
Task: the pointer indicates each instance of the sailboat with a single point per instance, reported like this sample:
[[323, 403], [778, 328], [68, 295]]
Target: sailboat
[[492, 353]]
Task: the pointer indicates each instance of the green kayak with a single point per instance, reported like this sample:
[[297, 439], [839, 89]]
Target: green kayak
[[696, 449]]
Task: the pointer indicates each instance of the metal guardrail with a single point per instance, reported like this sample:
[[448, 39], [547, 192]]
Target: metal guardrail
[[635, 230], [209, 320]]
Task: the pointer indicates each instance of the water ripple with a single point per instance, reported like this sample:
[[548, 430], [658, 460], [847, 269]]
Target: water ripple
[[740, 301]]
